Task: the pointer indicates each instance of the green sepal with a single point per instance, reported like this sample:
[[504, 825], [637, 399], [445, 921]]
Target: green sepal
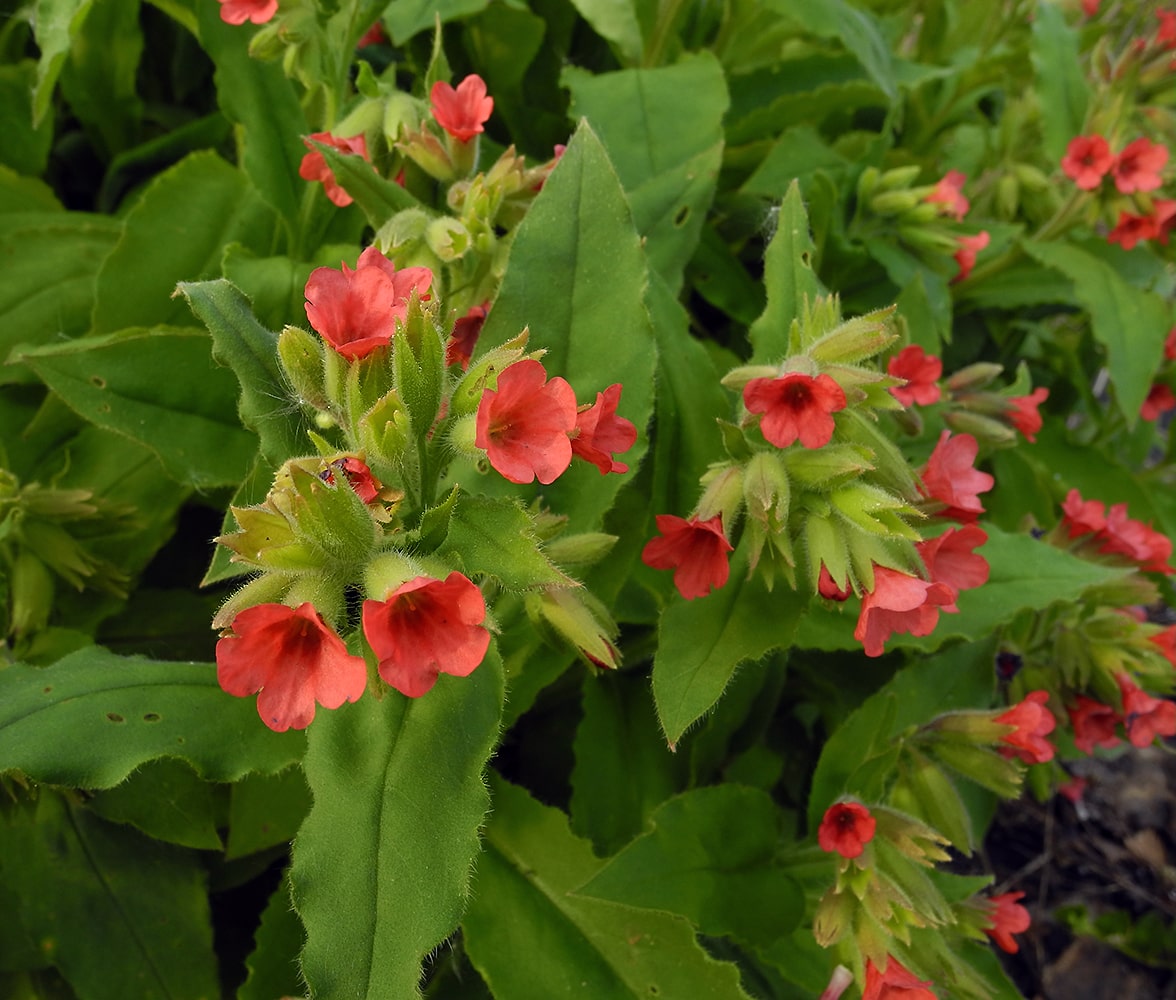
[[434, 526], [418, 361]]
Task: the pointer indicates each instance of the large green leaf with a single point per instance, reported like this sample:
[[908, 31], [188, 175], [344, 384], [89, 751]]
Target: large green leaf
[[273, 972], [558, 944], [406, 18], [1129, 322], [615, 21], [709, 856], [56, 23], [576, 276], [93, 717], [1061, 81], [117, 913], [701, 642], [165, 800], [382, 864], [856, 29], [161, 388], [24, 144]]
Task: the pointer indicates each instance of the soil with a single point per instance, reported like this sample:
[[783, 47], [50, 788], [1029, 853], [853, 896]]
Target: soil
[[1099, 877]]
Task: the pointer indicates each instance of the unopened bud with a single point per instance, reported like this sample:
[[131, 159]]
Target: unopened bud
[[301, 357], [975, 376], [856, 339], [576, 551], [447, 238], [30, 593], [578, 618], [722, 493], [984, 429], [891, 203], [1008, 196]]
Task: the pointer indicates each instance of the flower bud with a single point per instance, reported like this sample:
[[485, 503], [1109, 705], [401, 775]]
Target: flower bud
[[448, 238], [1008, 196], [722, 493], [891, 203], [582, 550], [301, 357], [834, 917], [401, 232], [898, 177], [268, 588], [974, 376], [30, 594], [983, 428], [578, 618], [383, 432], [856, 339], [426, 151]]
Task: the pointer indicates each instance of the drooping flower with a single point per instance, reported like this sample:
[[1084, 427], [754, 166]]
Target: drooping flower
[[1024, 415], [1137, 167], [461, 111], [356, 312], [695, 550], [1159, 401], [524, 424], [1145, 717], [1164, 218], [1093, 723], [601, 433], [1033, 721], [1170, 343], [1125, 536], [314, 165], [293, 659], [464, 338], [1083, 517], [425, 628], [830, 589], [965, 255], [1132, 229], [899, 603], [846, 829], [240, 11], [921, 371], [950, 559], [1087, 161], [1166, 641], [950, 476], [1008, 917], [1166, 32], [795, 406], [894, 982], [949, 193]]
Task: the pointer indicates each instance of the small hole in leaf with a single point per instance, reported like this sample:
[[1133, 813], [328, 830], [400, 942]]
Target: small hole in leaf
[[179, 739], [806, 259], [653, 990], [104, 408], [682, 215], [98, 381], [47, 690], [115, 717], [151, 717]]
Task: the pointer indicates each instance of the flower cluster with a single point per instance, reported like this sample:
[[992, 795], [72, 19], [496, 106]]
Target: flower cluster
[[1111, 532]]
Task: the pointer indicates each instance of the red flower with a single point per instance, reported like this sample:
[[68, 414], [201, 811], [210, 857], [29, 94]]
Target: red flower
[[1137, 167], [949, 559], [1166, 640], [846, 829], [1166, 33], [1158, 402], [1033, 722], [240, 11], [965, 256], [949, 193], [1088, 159], [1133, 229], [1094, 724], [1008, 917], [314, 165], [899, 603], [695, 550], [1083, 517], [356, 311], [461, 111], [367, 487], [949, 476], [373, 36], [1024, 415], [795, 406], [1073, 789], [602, 432], [425, 628], [1137, 541], [293, 659], [1170, 340], [921, 371], [1090, 7], [1163, 218], [524, 424], [1144, 716], [894, 983], [830, 589], [466, 330]]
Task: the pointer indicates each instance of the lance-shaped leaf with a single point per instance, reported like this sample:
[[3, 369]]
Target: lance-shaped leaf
[[379, 198], [273, 970], [90, 719], [1061, 80], [709, 856], [558, 944], [56, 23], [382, 864]]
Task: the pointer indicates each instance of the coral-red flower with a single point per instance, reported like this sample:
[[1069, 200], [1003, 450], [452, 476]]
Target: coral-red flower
[[524, 424], [1093, 723], [293, 659], [1170, 345], [1159, 401], [356, 311], [425, 628], [314, 165], [1132, 229], [830, 589], [1139, 542], [899, 603], [965, 255], [921, 371], [1008, 917], [1032, 722], [1145, 717], [894, 982], [949, 559], [1087, 161], [240, 11], [1024, 415], [464, 338], [950, 476], [695, 550], [1166, 640], [795, 406], [949, 193], [461, 111], [1083, 517], [367, 487], [846, 829], [601, 433], [1137, 167]]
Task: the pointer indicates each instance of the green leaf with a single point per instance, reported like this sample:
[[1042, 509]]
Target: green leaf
[[24, 144], [1061, 82], [117, 913], [251, 351], [856, 29], [273, 968], [382, 865], [378, 197], [405, 18], [701, 642], [1129, 322], [55, 23], [558, 944], [177, 231], [496, 538], [158, 387], [165, 800], [615, 21], [91, 718], [21, 195], [709, 856], [266, 810], [789, 278]]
